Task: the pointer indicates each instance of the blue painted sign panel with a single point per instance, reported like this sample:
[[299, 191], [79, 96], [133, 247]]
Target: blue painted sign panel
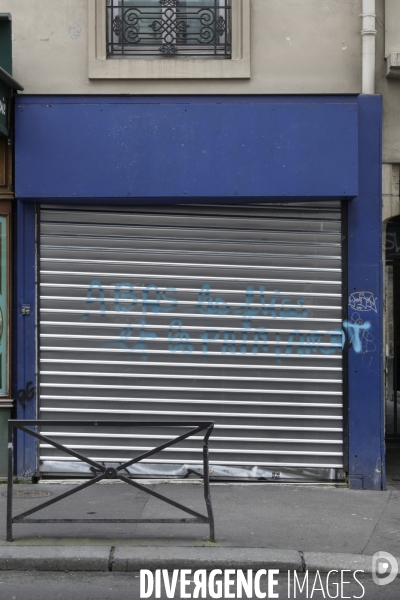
[[187, 147]]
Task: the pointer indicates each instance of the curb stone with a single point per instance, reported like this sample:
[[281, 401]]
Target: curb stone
[[130, 559], [45, 558], [318, 561], [134, 559]]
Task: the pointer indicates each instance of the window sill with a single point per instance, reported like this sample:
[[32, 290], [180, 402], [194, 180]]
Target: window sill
[[393, 65], [6, 403]]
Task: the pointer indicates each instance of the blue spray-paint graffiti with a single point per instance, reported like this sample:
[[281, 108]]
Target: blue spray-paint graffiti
[[178, 339], [140, 302], [152, 299], [155, 306], [90, 299], [208, 306], [129, 334], [360, 335], [355, 332], [118, 296]]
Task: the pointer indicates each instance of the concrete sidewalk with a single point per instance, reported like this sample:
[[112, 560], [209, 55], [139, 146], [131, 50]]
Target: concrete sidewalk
[[282, 526]]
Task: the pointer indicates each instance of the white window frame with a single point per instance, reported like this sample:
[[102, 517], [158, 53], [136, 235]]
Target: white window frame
[[154, 67]]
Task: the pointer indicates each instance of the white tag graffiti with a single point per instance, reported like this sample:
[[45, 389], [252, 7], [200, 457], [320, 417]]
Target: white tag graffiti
[[363, 301]]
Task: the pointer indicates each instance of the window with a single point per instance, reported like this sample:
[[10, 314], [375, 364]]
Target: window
[[179, 28], [169, 39]]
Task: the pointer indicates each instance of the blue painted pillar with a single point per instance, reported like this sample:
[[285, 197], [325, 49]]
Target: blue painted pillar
[[25, 333], [365, 307]]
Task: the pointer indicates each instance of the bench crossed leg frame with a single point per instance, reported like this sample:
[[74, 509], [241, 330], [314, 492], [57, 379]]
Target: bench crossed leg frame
[[109, 472]]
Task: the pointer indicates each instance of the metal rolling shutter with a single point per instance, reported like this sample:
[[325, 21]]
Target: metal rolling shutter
[[231, 313]]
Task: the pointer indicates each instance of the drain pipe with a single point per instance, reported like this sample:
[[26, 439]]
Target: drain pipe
[[368, 34]]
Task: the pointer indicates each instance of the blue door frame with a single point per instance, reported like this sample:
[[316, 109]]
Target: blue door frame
[[142, 150]]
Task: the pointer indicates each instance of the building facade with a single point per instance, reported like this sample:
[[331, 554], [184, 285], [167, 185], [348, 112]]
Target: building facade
[[8, 87], [199, 232]]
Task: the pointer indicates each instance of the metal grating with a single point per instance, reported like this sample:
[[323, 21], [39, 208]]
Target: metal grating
[[187, 28], [228, 313]]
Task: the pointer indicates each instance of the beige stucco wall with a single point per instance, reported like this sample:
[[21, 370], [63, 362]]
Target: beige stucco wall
[[389, 41], [297, 47], [392, 33]]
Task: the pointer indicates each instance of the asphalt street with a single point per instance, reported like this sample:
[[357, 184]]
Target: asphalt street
[[125, 586]]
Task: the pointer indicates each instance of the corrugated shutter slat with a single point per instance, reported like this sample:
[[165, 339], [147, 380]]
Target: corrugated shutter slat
[[225, 312]]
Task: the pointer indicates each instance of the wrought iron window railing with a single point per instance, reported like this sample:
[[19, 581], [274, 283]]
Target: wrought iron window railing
[[187, 28]]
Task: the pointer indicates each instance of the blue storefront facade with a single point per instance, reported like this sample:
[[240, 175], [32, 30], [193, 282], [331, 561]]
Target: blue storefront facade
[[224, 151]]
